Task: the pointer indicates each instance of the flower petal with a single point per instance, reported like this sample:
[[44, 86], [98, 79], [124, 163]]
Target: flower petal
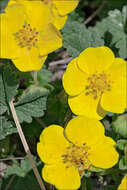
[[59, 20], [123, 185], [61, 176], [82, 130], [74, 80], [93, 60], [86, 105], [104, 154], [18, 19], [8, 44], [50, 40], [65, 6], [115, 100], [52, 144], [38, 14], [29, 60]]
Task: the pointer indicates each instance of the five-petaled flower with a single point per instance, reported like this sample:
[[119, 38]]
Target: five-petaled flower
[[59, 8], [28, 35], [68, 153], [123, 185], [96, 83]]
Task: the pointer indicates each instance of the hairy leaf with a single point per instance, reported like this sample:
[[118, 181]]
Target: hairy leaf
[[6, 128], [77, 37], [32, 103], [8, 87]]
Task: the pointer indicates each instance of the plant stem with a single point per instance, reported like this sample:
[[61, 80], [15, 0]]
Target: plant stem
[[35, 77], [25, 145]]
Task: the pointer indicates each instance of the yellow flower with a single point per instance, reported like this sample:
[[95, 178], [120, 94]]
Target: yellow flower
[[27, 34], [60, 9], [123, 185], [96, 83], [68, 153]]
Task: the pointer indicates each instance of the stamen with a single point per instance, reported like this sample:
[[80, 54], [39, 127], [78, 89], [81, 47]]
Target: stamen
[[98, 84], [77, 156], [26, 36]]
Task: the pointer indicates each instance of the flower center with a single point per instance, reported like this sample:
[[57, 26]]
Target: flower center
[[26, 36], [77, 156], [98, 84], [47, 1]]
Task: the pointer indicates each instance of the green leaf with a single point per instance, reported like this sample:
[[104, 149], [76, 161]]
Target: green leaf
[[20, 170], [121, 144], [77, 37], [29, 182], [44, 78], [8, 87], [123, 164], [3, 4], [6, 128], [120, 126], [76, 16], [32, 103], [113, 30], [32, 130]]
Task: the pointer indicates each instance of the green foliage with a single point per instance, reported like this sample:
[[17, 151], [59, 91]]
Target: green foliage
[[111, 31], [24, 177], [121, 144], [31, 95], [57, 107], [32, 130], [123, 164], [3, 4], [76, 16], [32, 103], [20, 170], [77, 37], [8, 87], [44, 78], [6, 127], [120, 126]]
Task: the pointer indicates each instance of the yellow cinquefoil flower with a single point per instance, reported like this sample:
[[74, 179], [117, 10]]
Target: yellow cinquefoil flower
[[123, 185], [27, 34], [68, 153], [59, 8], [96, 83]]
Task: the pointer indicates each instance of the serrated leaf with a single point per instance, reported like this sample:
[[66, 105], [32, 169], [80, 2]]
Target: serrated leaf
[[77, 37], [120, 126], [32, 103], [6, 128], [8, 87], [115, 25]]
